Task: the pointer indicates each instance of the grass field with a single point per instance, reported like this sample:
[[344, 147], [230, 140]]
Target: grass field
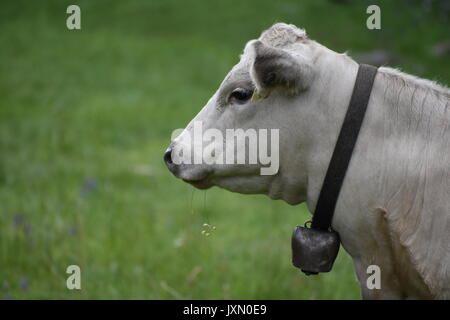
[[86, 115]]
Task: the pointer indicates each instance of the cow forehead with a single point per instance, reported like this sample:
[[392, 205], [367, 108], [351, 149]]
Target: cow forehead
[[239, 73], [239, 76]]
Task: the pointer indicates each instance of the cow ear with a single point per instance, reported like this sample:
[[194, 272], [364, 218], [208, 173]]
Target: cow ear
[[277, 68]]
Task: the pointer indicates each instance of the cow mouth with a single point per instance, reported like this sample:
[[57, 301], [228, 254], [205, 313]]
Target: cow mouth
[[201, 184]]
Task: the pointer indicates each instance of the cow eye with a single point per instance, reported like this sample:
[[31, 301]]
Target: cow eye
[[240, 95]]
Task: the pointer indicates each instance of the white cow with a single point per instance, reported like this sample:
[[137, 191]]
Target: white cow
[[394, 207]]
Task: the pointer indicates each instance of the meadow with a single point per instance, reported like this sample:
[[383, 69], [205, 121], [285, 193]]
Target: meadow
[[85, 116]]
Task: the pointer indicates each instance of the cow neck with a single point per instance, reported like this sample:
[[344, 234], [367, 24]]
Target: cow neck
[[340, 159]]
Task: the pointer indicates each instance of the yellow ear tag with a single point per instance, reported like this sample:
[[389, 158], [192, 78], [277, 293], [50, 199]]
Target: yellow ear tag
[[258, 96]]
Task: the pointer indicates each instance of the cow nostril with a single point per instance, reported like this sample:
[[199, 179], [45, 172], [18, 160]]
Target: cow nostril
[[168, 156]]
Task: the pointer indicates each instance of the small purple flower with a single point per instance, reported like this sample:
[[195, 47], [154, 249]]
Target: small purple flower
[[8, 297], [23, 284], [21, 222], [72, 230], [89, 185], [18, 219], [27, 228], [6, 286]]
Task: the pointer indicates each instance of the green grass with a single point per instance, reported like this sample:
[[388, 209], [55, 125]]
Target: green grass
[[96, 107]]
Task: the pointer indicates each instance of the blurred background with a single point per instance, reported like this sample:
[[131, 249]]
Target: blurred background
[[86, 115]]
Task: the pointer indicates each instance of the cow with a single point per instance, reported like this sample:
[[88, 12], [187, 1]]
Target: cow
[[393, 210]]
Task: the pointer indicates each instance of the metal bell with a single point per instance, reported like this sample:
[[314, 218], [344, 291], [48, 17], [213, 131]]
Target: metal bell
[[314, 250]]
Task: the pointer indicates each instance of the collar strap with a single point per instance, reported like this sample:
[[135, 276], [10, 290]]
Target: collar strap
[[343, 150]]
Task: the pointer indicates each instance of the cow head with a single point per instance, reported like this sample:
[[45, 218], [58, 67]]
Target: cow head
[[264, 106]]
